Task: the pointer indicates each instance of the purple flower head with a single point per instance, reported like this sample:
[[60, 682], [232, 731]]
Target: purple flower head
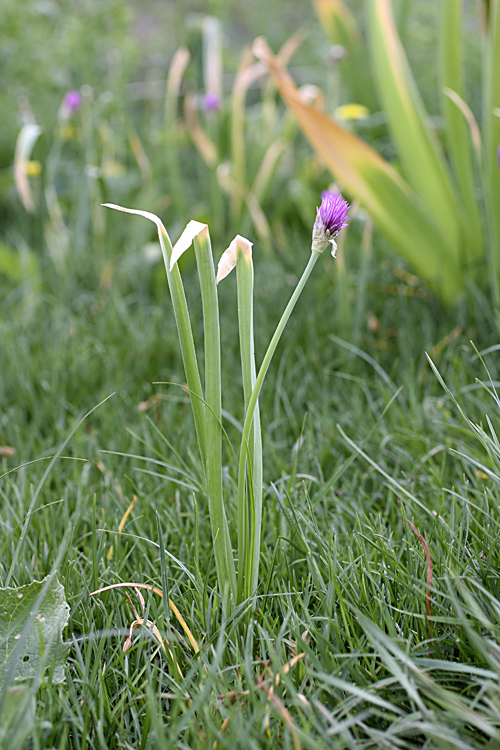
[[330, 219], [72, 101], [498, 156], [211, 102]]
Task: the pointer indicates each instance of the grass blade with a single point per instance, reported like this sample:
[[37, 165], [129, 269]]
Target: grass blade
[[213, 416], [244, 273]]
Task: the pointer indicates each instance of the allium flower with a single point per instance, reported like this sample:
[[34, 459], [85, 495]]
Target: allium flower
[[73, 100], [330, 219], [211, 102]]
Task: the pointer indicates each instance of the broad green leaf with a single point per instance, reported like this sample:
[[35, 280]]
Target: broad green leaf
[[394, 206], [458, 132], [421, 157], [32, 618]]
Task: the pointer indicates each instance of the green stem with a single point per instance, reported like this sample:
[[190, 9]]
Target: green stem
[[253, 519], [186, 342], [246, 554], [213, 416]]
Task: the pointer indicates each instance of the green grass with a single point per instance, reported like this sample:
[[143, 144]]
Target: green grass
[[343, 576], [360, 436]]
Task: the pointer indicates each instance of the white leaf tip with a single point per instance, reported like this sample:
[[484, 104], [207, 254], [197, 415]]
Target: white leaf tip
[[229, 257], [192, 230]]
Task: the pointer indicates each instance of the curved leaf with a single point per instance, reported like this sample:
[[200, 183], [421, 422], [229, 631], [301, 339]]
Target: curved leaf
[[395, 207], [421, 157]]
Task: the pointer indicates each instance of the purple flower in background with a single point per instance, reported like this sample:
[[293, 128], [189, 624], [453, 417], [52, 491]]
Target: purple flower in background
[[498, 156], [72, 101], [211, 102], [330, 219]]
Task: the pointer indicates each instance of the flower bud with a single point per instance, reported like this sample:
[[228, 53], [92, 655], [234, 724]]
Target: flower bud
[[330, 219]]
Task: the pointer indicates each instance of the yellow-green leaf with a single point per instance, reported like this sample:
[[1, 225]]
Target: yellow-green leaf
[[395, 207], [421, 157]]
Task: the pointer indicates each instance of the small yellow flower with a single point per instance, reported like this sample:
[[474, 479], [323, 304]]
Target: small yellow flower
[[67, 131], [112, 169], [352, 112], [32, 168]]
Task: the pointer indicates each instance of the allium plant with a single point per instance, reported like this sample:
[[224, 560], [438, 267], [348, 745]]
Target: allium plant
[[241, 583]]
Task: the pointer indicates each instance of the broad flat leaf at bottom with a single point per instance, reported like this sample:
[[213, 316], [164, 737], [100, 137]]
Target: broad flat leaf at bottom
[[32, 618]]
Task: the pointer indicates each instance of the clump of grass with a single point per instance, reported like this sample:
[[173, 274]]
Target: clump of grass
[[344, 577], [350, 644]]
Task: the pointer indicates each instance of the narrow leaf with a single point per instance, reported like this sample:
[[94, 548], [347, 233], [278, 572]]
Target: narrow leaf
[[251, 513], [460, 125], [183, 323], [213, 425], [421, 157]]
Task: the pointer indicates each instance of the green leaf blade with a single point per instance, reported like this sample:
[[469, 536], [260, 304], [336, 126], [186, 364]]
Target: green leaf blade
[[423, 163], [457, 130], [32, 618], [492, 141]]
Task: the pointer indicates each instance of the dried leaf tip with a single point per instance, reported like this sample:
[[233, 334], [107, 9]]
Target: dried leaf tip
[[229, 257], [192, 230]]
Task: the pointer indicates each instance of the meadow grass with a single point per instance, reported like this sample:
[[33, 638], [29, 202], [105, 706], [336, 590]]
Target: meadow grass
[[361, 438], [375, 463]]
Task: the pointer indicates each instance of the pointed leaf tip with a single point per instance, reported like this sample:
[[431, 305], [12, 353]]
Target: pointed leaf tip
[[192, 230], [146, 214], [229, 257]]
